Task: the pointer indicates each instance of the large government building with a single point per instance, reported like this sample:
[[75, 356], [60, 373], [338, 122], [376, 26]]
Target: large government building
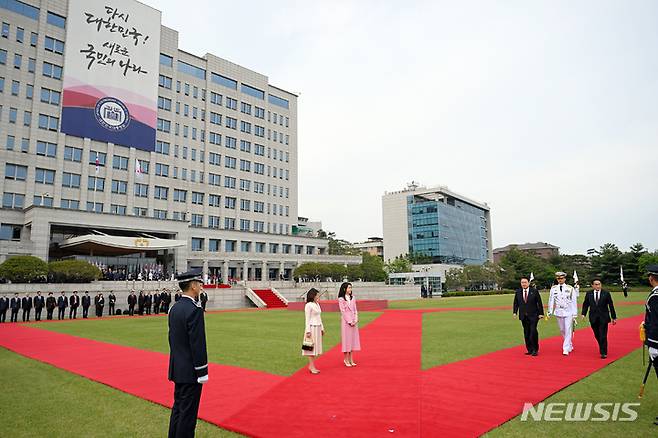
[[436, 222], [119, 148]]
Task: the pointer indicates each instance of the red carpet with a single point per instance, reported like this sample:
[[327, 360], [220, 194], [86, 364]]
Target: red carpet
[[387, 393], [270, 298], [138, 372]]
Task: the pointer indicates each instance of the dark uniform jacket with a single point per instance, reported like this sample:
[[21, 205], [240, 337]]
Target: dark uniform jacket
[[533, 309], [188, 359], [62, 302], [112, 298], [74, 301], [601, 311], [50, 302], [15, 303], [651, 319], [132, 299], [39, 302], [86, 301], [4, 304], [26, 303]]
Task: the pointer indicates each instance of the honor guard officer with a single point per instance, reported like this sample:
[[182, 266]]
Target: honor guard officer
[[188, 359], [651, 319], [563, 303]]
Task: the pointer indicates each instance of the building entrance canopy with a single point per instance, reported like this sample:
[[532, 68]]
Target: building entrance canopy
[[103, 244]]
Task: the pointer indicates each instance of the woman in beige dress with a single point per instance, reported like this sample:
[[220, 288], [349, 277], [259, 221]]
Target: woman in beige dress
[[314, 328]]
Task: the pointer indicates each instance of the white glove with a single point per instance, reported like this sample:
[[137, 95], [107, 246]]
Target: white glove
[[653, 352], [202, 379]]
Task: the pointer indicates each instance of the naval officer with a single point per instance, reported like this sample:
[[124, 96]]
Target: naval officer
[[188, 359], [563, 303]]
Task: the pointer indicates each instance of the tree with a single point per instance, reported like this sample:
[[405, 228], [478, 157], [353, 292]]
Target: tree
[[631, 263], [455, 279], [24, 269], [646, 259], [606, 264], [373, 268], [398, 264], [342, 247], [73, 271], [416, 258], [516, 264]]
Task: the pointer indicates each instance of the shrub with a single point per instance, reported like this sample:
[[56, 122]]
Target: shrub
[[24, 269], [73, 271]]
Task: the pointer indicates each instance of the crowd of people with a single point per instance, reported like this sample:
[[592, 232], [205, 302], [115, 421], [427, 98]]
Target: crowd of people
[[150, 272], [144, 303]]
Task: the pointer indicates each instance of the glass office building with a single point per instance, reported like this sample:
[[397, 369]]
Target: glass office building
[[436, 222]]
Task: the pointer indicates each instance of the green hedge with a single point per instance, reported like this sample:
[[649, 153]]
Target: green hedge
[[73, 271], [24, 269]]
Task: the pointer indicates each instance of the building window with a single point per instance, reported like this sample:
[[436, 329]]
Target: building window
[[164, 125], [180, 195], [197, 220], [260, 246], [161, 192], [52, 70], [50, 123], [97, 158], [44, 176], [213, 221], [259, 131], [140, 211], [231, 142], [56, 20], [229, 182], [230, 162], [141, 190], [224, 81], [245, 185], [96, 207], [72, 154], [162, 147], [46, 149], [54, 45], [229, 223], [119, 162], [42, 201], [213, 179], [231, 123], [166, 60], [245, 205], [214, 158], [213, 245], [10, 232], [245, 108], [229, 245], [164, 82], [245, 224], [214, 200], [229, 202], [118, 209], [164, 103], [197, 198], [95, 184], [72, 180], [15, 172], [50, 96], [119, 187], [231, 103], [161, 169], [245, 246], [197, 244], [13, 200], [71, 204], [159, 214], [259, 226]]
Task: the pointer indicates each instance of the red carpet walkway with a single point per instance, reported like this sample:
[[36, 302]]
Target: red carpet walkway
[[387, 394], [137, 372]]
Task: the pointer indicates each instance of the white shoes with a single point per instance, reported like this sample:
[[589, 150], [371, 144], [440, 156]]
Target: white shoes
[[565, 352]]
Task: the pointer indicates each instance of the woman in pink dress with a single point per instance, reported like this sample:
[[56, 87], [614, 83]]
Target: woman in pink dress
[[349, 329]]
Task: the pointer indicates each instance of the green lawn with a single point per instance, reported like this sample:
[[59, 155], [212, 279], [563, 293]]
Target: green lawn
[[265, 340], [44, 401]]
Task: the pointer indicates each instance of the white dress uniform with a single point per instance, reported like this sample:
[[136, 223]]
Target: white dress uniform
[[563, 303]]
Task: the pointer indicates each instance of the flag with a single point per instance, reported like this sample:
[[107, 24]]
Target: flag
[[532, 277], [621, 273], [138, 170], [575, 277], [98, 165]]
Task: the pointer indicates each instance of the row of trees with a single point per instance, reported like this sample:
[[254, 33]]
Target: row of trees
[[604, 264], [30, 269], [370, 269]]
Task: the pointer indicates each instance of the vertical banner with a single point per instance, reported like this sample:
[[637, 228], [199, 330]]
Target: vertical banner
[[111, 68]]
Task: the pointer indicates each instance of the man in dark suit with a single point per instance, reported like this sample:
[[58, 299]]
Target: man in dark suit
[[188, 359], [132, 300], [39, 304], [86, 304], [148, 302], [74, 303], [528, 305], [26, 305], [99, 301], [204, 300], [4, 305], [601, 309], [140, 303], [62, 304], [156, 302], [111, 299], [51, 303], [15, 305]]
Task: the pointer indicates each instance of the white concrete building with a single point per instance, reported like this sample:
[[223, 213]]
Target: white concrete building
[[217, 189]]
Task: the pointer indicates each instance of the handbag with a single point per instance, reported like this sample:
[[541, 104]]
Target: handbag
[[307, 344]]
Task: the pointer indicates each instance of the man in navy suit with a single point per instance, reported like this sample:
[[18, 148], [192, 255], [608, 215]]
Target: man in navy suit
[[601, 312], [4, 305], [528, 305], [15, 306], [188, 358], [62, 304], [26, 305], [39, 303]]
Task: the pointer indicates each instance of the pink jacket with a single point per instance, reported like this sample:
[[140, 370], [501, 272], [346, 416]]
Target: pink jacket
[[348, 310]]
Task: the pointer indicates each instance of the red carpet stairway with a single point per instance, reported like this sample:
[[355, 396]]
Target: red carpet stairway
[[270, 298]]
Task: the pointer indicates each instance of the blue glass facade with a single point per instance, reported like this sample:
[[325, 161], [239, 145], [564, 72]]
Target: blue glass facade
[[448, 230]]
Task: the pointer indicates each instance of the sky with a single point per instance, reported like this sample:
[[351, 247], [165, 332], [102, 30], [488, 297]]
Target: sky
[[545, 110]]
